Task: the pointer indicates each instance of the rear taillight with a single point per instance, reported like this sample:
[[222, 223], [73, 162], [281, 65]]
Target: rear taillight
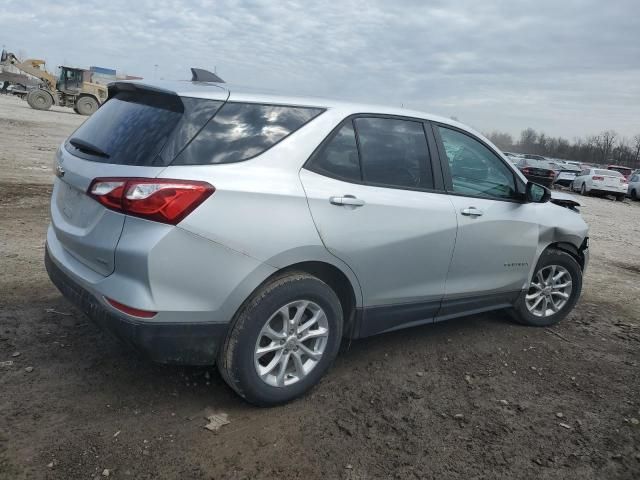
[[526, 170], [551, 173], [623, 180], [597, 177], [158, 199], [135, 312]]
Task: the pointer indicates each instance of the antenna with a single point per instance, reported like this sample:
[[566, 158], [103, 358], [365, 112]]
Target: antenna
[[201, 75]]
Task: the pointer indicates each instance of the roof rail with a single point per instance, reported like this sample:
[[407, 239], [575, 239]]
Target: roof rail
[[201, 75]]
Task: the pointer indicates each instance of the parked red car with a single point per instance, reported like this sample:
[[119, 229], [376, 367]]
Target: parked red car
[[625, 171]]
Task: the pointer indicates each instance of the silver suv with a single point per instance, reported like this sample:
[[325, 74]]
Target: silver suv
[[205, 224]]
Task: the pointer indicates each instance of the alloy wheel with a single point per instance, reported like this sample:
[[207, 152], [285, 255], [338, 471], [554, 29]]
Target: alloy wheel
[[549, 291], [291, 343]]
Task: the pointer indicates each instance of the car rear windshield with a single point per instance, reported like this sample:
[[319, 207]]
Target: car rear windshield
[[129, 129], [158, 129], [611, 173], [623, 170]]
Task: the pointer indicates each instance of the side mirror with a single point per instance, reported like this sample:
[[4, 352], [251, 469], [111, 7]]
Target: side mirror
[[537, 193]]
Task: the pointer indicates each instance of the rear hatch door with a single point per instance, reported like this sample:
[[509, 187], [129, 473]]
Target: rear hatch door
[[136, 133]]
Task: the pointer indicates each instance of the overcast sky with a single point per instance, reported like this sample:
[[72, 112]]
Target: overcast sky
[[568, 68]]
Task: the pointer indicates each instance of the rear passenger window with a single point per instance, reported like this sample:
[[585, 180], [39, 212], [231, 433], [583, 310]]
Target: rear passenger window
[[240, 131], [339, 156], [394, 153]]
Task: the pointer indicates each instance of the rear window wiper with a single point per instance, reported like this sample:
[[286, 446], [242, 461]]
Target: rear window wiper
[[88, 147]]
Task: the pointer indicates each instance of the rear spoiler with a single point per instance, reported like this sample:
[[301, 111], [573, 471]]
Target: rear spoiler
[[158, 97], [128, 86]]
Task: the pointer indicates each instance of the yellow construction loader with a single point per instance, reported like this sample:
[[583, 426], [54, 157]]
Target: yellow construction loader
[[73, 88]]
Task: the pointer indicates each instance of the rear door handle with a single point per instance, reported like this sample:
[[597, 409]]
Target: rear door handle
[[347, 200], [471, 212]]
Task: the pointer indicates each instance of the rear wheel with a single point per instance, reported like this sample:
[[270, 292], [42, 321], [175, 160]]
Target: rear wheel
[[39, 100], [553, 290], [283, 340], [86, 105]]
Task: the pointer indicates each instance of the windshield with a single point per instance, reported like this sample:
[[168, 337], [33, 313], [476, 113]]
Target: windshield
[[623, 170], [129, 129], [610, 173], [528, 162]]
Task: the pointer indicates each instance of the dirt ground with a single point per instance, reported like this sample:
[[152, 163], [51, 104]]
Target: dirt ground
[[478, 397]]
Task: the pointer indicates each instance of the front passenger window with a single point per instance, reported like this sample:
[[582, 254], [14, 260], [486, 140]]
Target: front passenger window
[[476, 170]]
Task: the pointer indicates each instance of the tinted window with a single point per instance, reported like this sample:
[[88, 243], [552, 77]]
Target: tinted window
[[394, 152], [240, 131], [476, 170], [128, 129], [339, 156]]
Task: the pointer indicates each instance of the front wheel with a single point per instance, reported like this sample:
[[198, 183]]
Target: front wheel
[[86, 105], [282, 340], [553, 290], [39, 100]]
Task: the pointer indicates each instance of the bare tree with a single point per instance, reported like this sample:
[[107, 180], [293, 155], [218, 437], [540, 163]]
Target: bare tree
[[636, 150], [528, 139], [606, 142], [502, 140]]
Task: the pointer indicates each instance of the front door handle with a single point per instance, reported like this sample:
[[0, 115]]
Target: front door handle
[[471, 212], [346, 200]]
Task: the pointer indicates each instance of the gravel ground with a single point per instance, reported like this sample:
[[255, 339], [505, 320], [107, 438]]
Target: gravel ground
[[478, 397]]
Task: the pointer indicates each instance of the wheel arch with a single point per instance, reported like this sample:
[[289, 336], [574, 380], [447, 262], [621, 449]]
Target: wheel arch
[[84, 94], [569, 248], [328, 268]]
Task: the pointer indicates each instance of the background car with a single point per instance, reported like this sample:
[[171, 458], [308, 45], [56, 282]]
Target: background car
[[513, 157], [567, 174], [538, 171], [634, 186], [601, 181], [625, 171]]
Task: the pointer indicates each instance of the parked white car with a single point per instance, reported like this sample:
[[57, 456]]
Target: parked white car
[[602, 182], [567, 174], [634, 186]]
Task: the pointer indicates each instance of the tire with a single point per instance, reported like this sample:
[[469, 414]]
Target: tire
[[40, 100], [634, 195], [237, 359], [550, 258], [583, 189], [620, 198], [86, 105]]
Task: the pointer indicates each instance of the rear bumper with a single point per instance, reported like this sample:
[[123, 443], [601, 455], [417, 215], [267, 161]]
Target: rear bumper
[[608, 191], [565, 182], [176, 343], [545, 181]]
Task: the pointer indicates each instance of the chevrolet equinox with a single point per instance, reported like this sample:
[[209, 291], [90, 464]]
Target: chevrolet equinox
[[205, 224]]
